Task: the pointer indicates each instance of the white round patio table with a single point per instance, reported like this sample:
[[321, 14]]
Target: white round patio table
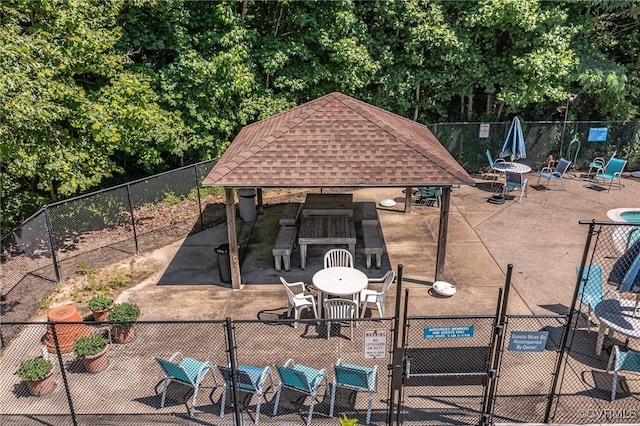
[[505, 166], [339, 281]]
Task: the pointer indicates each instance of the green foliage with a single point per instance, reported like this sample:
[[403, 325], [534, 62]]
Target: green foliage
[[97, 92], [124, 314], [171, 198], [91, 345], [100, 302], [34, 369]]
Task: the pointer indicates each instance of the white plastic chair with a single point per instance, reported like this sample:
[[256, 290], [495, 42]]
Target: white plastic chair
[[340, 309], [369, 296], [338, 257], [299, 301]]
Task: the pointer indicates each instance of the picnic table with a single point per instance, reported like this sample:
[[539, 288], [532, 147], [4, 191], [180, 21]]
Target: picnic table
[[326, 230], [328, 205]]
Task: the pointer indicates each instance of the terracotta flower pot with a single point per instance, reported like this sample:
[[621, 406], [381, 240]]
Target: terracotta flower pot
[[100, 316], [96, 363], [41, 387], [124, 334]]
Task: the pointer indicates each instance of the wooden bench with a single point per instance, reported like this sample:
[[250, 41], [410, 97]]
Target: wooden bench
[[290, 214], [369, 213], [372, 244], [284, 245]]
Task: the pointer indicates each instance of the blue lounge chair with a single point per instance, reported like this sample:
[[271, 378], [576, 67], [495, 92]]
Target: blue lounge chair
[[250, 380], [354, 377], [622, 360], [495, 172], [591, 290], [188, 371], [516, 181], [300, 378], [612, 172], [557, 174]]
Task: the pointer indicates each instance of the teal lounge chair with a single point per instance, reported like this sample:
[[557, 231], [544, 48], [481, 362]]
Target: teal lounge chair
[[354, 377], [591, 290], [429, 193], [302, 379], [622, 360], [612, 172], [250, 380], [188, 371], [598, 163]]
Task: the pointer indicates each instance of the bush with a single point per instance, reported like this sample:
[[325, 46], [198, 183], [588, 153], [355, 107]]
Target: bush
[[124, 314], [100, 303], [31, 370], [87, 346]]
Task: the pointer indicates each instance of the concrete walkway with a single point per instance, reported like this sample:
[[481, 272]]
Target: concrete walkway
[[541, 237]]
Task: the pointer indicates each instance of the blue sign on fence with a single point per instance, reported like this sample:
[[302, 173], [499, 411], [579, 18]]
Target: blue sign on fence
[[448, 332], [598, 134], [528, 341]]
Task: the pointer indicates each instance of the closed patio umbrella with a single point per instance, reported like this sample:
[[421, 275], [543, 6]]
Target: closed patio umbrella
[[626, 272], [513, 145]]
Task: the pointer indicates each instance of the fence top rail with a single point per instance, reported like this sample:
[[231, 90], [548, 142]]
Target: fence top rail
[[550, 316], [13, 323], [601, 222], [450, 317]]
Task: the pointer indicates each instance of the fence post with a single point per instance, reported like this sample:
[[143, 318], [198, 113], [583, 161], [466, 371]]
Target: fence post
[[234, 372], [565, 333], [54, 258], [397, 362], [199, 200], [133, 219], [63, 373]]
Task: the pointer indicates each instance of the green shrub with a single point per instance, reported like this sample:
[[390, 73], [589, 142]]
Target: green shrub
[[124, 314], [34, 369], [345, 421], [100, 303], [87, 346]]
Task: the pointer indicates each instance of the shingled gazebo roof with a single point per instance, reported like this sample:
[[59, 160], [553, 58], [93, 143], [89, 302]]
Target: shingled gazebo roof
[[336, 141]]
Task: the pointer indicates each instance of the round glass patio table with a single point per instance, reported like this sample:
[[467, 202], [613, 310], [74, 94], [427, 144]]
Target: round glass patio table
[[504, 166], [339, 281], [619, 316]]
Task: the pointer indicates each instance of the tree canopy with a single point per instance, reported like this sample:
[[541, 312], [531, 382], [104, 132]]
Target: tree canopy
[[95, 91]]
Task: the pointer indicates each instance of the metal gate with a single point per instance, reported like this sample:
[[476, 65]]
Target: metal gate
[[476, 370]]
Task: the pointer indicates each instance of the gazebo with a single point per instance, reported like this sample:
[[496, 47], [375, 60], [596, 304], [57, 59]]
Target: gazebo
[[336, 141]]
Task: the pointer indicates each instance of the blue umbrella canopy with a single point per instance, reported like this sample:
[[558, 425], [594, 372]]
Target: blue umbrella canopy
[[513, 145], [626, 271]]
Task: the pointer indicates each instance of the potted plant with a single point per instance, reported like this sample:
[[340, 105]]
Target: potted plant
[[37, 374], [100, 305], [92, 350], [123, 316]]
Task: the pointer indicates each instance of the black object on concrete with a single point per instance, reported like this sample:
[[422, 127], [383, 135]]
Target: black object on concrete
[[224, 262]]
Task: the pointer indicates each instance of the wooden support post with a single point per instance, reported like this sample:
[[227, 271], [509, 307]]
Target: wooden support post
[[236, 280], [407, 199], [442, 232], [260, 204]]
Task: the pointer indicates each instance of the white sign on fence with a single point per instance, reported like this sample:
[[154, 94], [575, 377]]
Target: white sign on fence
[[484, 130], [375, 343]]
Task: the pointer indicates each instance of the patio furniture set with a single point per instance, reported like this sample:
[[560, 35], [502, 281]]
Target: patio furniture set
[[348, 285], [609, 171], [614, 315], [325, 219], [254, 380]]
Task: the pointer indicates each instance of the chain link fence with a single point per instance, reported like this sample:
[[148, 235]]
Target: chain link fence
[[100, 229], [463, 141], [129, 388]]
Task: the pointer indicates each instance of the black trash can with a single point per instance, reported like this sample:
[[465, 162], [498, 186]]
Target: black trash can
[[224, 262]]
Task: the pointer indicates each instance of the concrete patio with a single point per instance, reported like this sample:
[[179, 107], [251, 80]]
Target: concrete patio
[[541, 237]]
